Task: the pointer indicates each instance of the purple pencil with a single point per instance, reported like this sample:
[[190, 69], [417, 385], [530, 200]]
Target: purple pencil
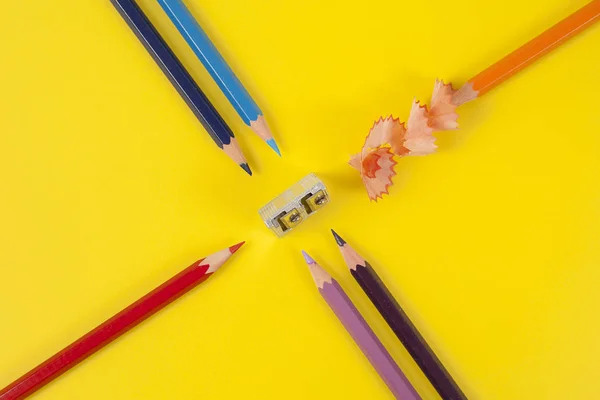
[[362, 334], [402, 326]]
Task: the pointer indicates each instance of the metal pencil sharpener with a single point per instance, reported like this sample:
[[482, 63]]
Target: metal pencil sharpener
[[290, 208]]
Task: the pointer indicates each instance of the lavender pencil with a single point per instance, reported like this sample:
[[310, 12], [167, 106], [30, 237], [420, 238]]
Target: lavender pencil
[[360, 331]]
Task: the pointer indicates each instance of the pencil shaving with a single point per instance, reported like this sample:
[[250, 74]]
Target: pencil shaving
[[386, 132], [389, 137], [377, 171], [376, 159], [419, 135], [442, 114]]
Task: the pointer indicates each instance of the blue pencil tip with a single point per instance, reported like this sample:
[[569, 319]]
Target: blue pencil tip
[[273, 145], [338, 239], [307, 258], [246, 168]]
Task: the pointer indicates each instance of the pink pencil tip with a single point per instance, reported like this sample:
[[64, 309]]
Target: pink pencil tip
[[235, 247]]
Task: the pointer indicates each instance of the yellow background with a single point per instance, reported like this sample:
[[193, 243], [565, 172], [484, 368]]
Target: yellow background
[[109, 186]]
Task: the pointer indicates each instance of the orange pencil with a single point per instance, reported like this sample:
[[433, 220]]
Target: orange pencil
[[528, 53], [390, 138]]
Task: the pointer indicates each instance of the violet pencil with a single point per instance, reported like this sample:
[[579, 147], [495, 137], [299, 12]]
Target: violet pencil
[[402, 326], [362, 334]]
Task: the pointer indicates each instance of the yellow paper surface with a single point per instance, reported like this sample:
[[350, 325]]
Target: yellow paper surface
[[110, 186]]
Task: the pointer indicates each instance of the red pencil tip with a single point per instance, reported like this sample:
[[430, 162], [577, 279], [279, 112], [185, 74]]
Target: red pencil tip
[[235, 247]]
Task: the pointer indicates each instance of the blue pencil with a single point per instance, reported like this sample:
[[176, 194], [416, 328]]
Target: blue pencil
[[181, 80], [212, 60]]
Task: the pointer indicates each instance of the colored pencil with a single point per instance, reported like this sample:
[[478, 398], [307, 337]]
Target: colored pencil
[[218, 68], [180, 78], [117, 325], [360, 331], [397, 319], [528, 53]]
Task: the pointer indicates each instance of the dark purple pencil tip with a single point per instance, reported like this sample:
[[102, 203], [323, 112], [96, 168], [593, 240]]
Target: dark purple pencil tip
[[246, 168], [338, 239]]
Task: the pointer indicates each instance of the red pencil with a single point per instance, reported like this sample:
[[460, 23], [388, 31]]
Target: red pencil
[[117, 325]]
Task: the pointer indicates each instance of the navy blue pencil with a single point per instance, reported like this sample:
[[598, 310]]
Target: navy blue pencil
[[218, 68], [181, 80]]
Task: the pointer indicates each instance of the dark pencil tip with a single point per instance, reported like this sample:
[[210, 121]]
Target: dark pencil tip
[[338, 239], [246, 168]]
